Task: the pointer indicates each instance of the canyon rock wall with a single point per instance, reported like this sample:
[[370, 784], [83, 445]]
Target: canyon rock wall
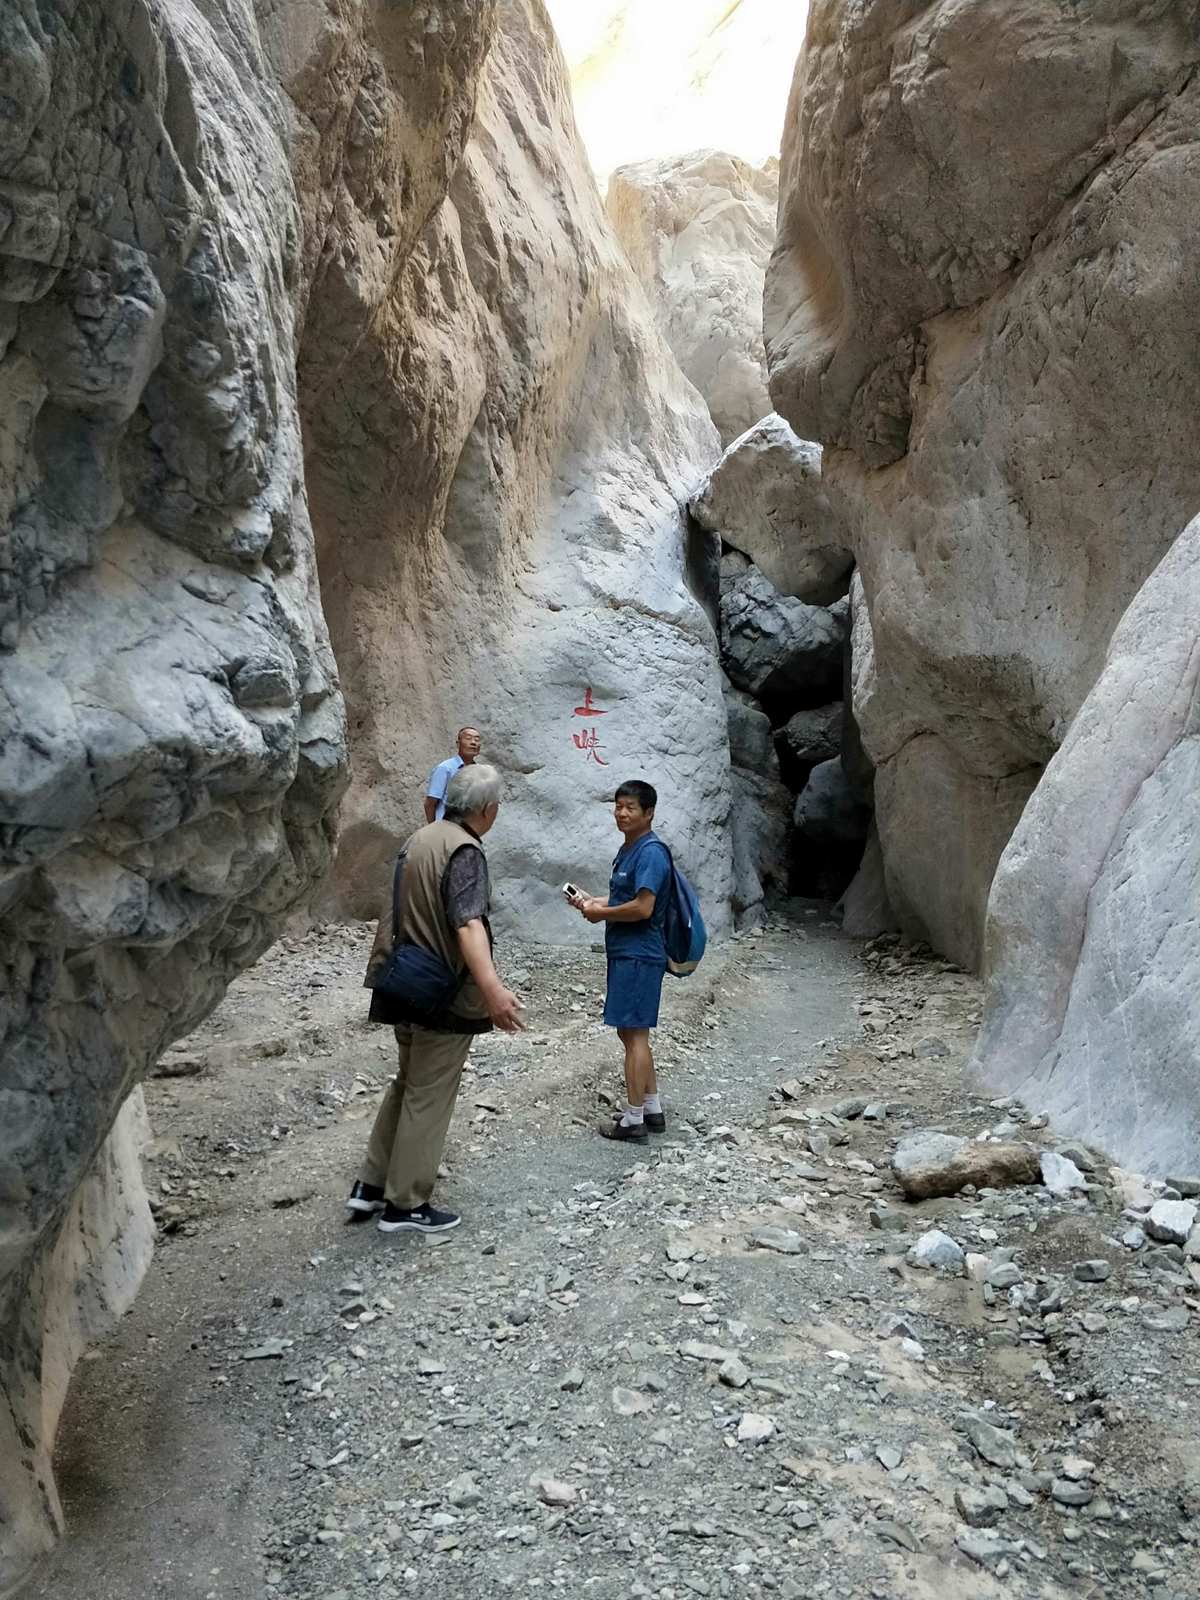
[[982, 304], [698, 231], [1093, 938], [499, 454], [172, 742]]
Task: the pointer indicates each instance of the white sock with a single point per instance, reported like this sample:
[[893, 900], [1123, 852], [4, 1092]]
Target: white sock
[[631, 1117], [651, 1103]]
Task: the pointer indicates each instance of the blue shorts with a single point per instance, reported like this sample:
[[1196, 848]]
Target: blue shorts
[[634, 991]]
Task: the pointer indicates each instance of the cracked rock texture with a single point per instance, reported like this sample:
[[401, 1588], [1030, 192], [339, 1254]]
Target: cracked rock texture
[[982, 303], [698, 231], [171, 734], [501, 448], [1093, 938]]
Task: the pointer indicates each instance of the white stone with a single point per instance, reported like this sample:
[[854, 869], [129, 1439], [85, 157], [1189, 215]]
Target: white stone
[[935, 1249], [1171, 1221], [754, 1428], [1060, 1176]]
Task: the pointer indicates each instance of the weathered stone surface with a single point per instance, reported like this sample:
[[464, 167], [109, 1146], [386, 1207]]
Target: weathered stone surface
[[927, 1163], [815, 735], [760, 811], [698, 230], [776, 647], [1093, 944], [172, 742], [765, 498], [535, 545], [1013, 276]]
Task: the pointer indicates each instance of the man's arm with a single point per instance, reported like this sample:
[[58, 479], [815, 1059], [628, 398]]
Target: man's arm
[[639, 909], [503, 1006], [435, 790]]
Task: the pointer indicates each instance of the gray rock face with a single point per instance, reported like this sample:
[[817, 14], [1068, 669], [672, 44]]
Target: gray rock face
[[530, 569], [830, 810], [1093, 945], [760, 812], [698, 230], [927, 1163], [765, 497], [776, 647], [1019, 273], [172, 743]]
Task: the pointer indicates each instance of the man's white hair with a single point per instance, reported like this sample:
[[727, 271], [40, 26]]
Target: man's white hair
[[472, 789]]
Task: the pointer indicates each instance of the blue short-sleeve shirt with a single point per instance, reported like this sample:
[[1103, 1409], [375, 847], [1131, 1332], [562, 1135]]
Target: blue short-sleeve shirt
[[644, 865], [439, 780]]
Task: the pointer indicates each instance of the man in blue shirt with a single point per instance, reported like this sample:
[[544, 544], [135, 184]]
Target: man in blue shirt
[[435, 789], [633, 915]]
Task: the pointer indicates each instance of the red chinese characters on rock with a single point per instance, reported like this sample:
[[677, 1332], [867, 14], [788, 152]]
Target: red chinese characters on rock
[[587, 709], [589, 740]]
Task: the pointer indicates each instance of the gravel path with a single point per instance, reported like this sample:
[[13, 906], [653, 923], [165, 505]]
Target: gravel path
[[702, 1368]]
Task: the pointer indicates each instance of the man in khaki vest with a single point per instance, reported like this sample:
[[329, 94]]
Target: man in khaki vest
[[443, 907]]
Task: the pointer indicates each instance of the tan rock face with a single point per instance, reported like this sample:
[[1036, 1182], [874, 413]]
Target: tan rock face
[[698, 230], [172, 742], [981, 304], [499, 465]]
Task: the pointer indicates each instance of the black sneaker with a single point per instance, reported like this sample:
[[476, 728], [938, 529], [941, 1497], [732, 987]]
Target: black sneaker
[[654, 1121], [636, 1131], [423, 1219], [365, 1199]]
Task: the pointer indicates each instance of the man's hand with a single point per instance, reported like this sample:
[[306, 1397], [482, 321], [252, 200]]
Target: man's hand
[[504, 1009], [593, 910]]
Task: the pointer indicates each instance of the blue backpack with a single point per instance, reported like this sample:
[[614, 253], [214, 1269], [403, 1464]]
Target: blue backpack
[[683, 928]]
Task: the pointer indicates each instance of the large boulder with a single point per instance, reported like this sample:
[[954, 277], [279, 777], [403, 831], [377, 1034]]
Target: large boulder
[[777, 648], [501, 448], [982, 303], [698, 230], [1093, 941], [815, 734], [765, 498], [172, 744]]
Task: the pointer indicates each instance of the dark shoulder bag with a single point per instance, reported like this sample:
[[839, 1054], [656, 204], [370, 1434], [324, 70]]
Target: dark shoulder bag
[[413, 982]]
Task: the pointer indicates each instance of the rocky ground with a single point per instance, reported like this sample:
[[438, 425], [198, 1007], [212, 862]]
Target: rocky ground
[[708, 1367]]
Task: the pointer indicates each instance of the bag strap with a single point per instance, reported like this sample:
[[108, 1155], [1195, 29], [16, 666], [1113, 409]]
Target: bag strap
[[396, 879]]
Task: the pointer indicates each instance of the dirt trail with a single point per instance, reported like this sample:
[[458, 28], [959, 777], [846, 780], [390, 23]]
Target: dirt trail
[[565, 1394]]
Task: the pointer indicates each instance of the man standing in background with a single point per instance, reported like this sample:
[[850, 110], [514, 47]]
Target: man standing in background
[[435, 789]]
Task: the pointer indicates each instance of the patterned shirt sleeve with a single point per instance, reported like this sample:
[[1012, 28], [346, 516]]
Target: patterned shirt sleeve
[[465, 886]]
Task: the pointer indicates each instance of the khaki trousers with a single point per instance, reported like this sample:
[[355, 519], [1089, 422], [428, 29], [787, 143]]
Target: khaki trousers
[[405, 1148]]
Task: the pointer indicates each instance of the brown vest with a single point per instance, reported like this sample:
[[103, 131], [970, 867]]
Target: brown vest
[[422, 911]]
